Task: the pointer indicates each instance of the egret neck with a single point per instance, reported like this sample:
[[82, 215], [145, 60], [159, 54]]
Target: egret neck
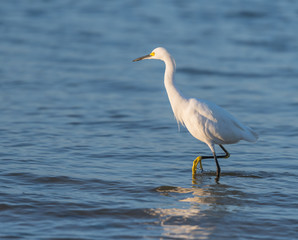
[[178, 102]]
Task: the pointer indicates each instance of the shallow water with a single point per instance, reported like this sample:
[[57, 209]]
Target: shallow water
[[89, 147]]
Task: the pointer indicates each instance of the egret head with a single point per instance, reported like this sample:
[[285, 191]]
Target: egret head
[[157, 53]]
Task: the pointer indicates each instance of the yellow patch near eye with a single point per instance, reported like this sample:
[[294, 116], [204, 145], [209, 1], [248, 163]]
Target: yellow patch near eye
[[152, 54]]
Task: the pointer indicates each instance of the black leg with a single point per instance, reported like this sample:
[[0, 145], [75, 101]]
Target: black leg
[[200, 158], [226, 152], [220, 156], [217, 168]]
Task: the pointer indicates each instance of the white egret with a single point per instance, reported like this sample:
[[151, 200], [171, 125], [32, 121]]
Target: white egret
[[205, 121]]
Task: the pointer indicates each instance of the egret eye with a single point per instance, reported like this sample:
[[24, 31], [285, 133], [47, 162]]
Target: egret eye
[[152, 54]]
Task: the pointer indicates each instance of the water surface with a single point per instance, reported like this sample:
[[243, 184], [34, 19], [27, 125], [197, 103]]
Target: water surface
[[89, 147]]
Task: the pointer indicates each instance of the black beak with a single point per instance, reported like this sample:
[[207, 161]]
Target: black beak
[[141, 58]]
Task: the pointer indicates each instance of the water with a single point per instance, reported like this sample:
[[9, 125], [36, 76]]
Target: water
[[89, 148]]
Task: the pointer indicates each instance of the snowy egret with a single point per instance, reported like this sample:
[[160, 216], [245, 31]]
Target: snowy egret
[[205, 121]]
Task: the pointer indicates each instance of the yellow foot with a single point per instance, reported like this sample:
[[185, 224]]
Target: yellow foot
[[195, 164]]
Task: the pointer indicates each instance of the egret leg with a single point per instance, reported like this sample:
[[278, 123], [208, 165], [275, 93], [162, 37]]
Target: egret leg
[[217, 168], [226, 152], [200, 158]]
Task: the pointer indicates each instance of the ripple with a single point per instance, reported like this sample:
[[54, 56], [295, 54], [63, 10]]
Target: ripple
[[58, 180], [248, 14], [208, 72], [172, 189], [245, 174]]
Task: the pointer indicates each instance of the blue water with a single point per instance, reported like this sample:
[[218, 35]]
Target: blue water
[[89, 147]]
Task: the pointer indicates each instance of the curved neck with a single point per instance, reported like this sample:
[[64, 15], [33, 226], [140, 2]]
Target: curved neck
[[177, 101]]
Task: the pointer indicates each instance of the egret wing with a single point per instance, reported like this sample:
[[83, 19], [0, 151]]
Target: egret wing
[[218, 125]]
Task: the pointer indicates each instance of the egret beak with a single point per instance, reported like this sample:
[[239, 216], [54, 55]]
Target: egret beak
[[141, 58]]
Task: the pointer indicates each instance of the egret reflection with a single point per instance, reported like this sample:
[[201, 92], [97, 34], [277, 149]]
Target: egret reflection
[[185, 223], [182, 223]]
